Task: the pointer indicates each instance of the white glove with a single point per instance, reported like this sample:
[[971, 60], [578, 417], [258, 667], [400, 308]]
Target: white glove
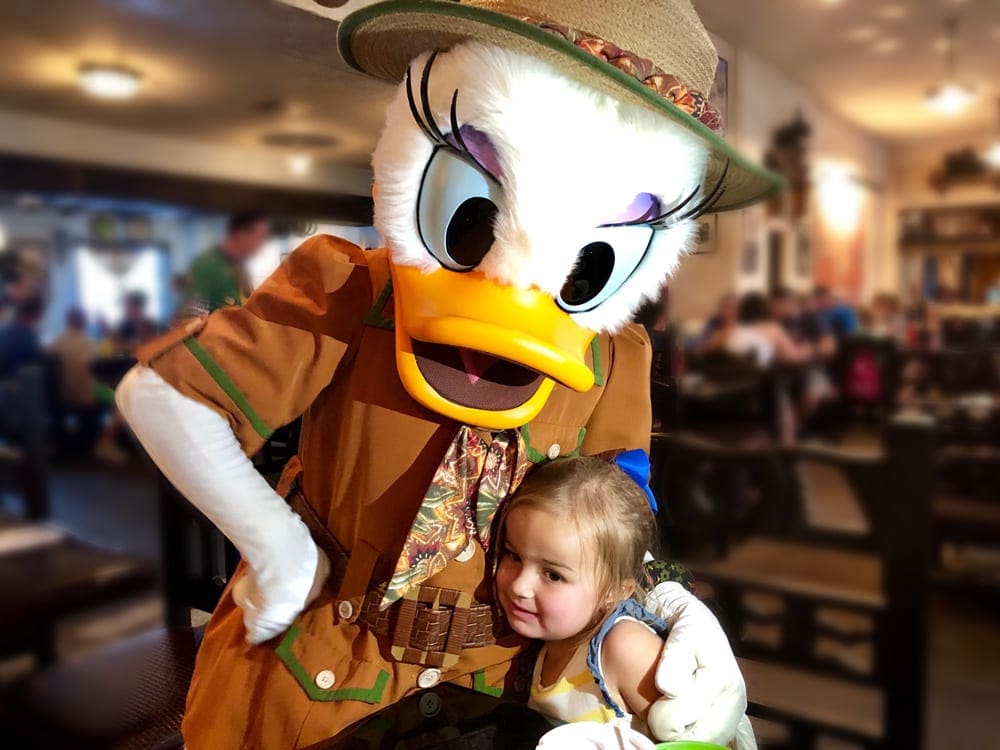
[[197, 451], [705, 697]]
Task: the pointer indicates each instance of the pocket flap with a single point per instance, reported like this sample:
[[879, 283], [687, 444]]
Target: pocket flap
[[326, 673]]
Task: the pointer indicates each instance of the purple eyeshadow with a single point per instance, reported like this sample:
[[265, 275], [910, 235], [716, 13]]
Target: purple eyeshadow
[[480, 147], [644, 206]]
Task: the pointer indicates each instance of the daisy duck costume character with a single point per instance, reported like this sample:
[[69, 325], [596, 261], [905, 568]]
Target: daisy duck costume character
[[537, 179]]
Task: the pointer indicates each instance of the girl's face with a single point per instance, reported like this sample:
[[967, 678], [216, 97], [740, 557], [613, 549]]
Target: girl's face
[[546, 581]]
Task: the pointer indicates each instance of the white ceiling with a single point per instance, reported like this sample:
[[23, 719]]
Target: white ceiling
[[872, 61], [210, 64]]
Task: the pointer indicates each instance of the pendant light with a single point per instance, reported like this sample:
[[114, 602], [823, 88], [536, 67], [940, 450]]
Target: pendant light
[[950, 98]]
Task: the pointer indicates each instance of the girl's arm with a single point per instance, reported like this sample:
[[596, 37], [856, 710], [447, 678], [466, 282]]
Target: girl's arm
[[629, 657]]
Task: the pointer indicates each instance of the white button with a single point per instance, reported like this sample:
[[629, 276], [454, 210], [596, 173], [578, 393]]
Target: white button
[[466, 554], [345, 610], [429, 678], [555, 450], [325, 679]]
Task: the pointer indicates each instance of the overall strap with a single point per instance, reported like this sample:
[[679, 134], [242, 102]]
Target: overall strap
[[629, 609]]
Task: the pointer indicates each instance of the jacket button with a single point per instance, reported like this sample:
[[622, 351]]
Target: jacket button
[[345, 609], [466, 554], [430, 705], [429, 678], [325, 679], [555, 450]]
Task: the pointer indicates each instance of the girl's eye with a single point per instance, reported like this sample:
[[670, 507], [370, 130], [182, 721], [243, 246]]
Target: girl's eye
[[552, 576]]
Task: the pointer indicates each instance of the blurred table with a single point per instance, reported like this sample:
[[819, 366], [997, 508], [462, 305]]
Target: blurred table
[[46, 574], [445, 717]]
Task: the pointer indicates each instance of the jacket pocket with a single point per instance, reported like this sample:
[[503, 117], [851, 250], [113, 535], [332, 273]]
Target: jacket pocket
[[324, 665]]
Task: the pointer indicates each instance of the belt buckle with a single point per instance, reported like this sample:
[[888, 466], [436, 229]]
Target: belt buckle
[[436, 599]]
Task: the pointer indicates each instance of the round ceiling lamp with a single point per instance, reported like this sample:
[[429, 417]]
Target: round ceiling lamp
[[109, 81]]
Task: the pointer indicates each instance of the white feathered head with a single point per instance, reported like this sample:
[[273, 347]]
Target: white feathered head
[[527, 210]]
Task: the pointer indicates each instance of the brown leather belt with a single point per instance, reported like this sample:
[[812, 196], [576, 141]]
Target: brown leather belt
[[430, 625]]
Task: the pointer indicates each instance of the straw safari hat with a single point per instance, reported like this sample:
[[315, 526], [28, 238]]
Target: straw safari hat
[[653, 53]]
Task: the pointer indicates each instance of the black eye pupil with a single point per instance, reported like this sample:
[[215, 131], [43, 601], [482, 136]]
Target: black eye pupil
[[470, 231], [590, 275]]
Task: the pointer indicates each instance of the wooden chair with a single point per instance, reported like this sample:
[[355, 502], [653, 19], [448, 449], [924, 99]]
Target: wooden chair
[[717, 493], [132, 693], [23, 449], [729, 397], [830, 626]]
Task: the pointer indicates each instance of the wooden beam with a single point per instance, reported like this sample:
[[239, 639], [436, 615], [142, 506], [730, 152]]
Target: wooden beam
[[43, 175]]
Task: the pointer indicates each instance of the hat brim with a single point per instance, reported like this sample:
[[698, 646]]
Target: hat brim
[[382, 39]]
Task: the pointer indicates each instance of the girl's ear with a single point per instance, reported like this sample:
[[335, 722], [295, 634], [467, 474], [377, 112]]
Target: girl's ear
[[618, 593]]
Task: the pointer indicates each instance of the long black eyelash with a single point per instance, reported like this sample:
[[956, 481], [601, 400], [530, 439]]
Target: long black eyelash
[[713, 197], [670, 218], [413, 110], [425, 79], [426, 121], [663, 220]]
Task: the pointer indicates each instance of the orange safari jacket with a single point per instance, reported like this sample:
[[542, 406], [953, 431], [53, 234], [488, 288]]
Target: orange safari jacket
[[316, 339]]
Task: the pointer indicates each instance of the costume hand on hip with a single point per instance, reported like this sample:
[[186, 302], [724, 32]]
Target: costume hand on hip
[[704, 694], [200, 455]]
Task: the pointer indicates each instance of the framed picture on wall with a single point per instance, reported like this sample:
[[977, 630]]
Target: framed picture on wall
[[705, 240]]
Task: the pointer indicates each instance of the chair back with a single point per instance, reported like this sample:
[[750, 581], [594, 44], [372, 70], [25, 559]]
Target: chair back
[[23, 424], [833, 614]]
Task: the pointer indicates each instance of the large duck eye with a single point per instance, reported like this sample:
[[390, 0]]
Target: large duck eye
[[603, 266], [456, 210]]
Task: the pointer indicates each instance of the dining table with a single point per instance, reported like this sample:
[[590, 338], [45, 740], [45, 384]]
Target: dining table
[[47, 574]]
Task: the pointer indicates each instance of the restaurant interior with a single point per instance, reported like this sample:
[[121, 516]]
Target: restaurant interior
[[825, 379]]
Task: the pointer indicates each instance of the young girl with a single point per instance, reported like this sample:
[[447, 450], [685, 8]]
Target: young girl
[[571, 544]]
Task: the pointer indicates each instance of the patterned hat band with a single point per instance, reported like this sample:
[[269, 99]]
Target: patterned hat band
[[669, 86]]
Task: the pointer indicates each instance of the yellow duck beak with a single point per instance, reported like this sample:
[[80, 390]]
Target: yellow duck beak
[[483, 353]]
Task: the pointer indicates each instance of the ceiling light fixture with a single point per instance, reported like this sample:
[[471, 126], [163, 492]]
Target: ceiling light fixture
[[950, 98], [109, 81], [300, 164]]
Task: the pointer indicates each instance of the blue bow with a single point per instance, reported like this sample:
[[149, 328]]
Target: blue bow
[[635, 463]]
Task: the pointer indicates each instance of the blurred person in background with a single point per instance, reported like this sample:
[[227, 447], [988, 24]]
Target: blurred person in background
[[838, 314], [757, 335], [83, 397], [137, 327], [74, 350], [22, 278], [718, 327], [884, 319], [218, 277], [20, 344], [812, 386], [805, 326]]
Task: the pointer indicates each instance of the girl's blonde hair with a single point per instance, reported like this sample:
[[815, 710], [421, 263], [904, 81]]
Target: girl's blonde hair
[[611, 513]]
